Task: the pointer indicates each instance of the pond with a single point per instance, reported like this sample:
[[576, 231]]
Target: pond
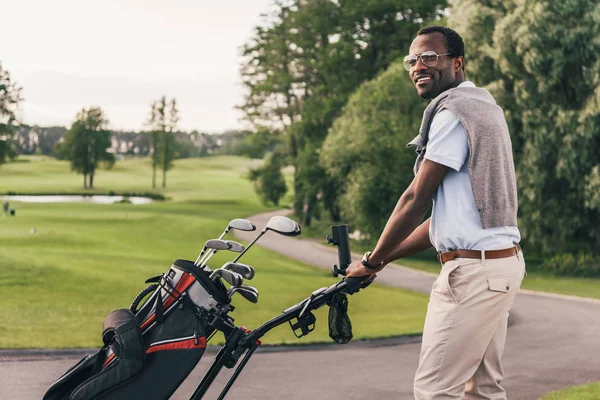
[[98, 199]]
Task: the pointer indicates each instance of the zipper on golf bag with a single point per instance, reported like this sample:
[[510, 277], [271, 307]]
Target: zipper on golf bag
[[194, 341], [190, 342]]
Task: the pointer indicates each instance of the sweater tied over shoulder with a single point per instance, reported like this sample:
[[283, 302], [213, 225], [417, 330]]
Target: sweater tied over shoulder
[[490, 165]]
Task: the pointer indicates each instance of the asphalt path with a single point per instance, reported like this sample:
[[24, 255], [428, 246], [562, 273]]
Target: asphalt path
[[553, 342]]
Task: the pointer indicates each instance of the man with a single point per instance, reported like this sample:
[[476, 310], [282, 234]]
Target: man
[[465, 165]]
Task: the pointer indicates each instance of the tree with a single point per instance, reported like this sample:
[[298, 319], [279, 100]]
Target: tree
[[305, 62], [269, 180], [163, 124], [542, 60], [168, 153], [86, 144], [10, 97], [366, 148]]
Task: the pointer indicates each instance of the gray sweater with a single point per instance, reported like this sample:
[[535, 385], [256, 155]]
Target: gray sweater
[[491, 166]]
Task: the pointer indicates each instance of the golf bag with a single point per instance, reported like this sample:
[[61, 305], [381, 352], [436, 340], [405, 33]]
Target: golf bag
[[149, 350]]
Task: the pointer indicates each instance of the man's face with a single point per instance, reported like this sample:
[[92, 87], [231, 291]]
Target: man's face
[[431, 81]]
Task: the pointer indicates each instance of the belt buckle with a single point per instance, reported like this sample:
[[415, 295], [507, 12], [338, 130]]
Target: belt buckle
[[439, 257]]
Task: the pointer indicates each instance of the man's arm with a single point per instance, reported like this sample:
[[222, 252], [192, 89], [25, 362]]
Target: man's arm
[[405, 218], [415, 243]]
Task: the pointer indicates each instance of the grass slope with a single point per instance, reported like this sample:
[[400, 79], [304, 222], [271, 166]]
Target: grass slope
[[85, 260], [590, 391]]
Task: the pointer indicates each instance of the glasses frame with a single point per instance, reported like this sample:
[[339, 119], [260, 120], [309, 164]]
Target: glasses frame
[[408, 66]]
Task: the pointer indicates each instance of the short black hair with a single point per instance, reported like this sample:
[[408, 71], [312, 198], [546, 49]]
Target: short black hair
[[454, 43]]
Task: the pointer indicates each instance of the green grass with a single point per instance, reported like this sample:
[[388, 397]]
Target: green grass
[[590, 391], [85, 260], [537, 279]]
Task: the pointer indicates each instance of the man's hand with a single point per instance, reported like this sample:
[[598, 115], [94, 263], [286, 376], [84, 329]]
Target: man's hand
[[356, 269]]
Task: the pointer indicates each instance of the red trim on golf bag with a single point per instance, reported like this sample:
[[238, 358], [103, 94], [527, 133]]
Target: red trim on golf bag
[[193, 343], [108, 360], [185, 282]]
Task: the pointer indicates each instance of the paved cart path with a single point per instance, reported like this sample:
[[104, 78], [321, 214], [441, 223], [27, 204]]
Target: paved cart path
[[553, 342]]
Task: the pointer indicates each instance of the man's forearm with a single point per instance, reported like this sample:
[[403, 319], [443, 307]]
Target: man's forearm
[[415, 243], [407, 215]]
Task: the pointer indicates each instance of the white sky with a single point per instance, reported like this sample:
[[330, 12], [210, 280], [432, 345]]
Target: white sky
[[122, 55]]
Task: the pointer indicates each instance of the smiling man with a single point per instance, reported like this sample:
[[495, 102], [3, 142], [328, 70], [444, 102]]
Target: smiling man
[[465, 165]]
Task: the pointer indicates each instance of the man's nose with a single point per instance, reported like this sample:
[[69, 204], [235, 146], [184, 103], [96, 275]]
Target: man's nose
[[420, 66]]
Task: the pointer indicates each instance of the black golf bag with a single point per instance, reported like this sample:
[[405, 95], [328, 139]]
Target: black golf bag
[[149, 350]]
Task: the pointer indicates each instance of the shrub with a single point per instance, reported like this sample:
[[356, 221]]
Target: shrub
[[582, 265], [268, 180]]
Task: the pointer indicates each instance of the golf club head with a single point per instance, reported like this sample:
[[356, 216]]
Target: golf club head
[[235, 246], [248, 287], [217, 244], [250, 295], [213, 244], [244, 270], [283, 226], [233, 278], [279, 224], [242, 225]]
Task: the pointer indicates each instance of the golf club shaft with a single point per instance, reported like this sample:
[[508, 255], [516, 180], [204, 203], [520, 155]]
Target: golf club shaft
[[250, 245], [206, 258], [200, 255], [224, 232]]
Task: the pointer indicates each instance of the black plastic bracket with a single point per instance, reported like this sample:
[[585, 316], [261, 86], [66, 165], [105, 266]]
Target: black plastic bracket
[[305, 324]]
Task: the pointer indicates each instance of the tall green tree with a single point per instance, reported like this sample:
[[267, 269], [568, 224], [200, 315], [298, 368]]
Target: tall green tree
[[156, 125], [164, 117], [168, 153], [542, 62], [306, 61], [366, 148], [86, 144], [10, 97]]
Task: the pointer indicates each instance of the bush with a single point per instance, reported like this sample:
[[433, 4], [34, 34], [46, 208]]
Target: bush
[[365, 150], [582, 265], [268, 180]]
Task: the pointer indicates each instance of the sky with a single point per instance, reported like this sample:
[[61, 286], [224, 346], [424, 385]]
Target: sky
[[123, 55]]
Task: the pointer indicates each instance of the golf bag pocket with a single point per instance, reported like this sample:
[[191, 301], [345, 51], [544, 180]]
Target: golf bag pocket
[[172, 350], [94, 376]]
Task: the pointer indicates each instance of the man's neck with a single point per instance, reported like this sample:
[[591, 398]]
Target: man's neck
[[458, 81]]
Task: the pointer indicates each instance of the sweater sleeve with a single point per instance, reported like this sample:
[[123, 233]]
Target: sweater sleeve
[[447, 143]]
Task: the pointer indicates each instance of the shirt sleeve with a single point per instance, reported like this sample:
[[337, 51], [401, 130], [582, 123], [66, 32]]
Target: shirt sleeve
[[447, 144]]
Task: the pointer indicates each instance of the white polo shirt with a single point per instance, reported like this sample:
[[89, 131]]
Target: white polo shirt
[[455, 220]]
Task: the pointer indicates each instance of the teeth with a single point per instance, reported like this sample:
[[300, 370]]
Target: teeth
[[423, 79]]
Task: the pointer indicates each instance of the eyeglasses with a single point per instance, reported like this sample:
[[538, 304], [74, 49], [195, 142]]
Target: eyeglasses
[[429, 58]]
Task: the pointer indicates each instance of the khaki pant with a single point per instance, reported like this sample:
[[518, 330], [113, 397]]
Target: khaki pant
[[465, 329]]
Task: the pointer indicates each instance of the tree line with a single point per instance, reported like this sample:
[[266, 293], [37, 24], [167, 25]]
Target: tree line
[[89, 144], [325, 79]]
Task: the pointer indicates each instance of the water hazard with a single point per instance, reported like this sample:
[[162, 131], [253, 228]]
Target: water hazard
[[97, 199]]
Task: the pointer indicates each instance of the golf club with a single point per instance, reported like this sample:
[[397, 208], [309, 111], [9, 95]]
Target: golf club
[[240, 225], [233, 278], [243, 269], [282, 225], [246, 292], [214, 244], [233, 246]]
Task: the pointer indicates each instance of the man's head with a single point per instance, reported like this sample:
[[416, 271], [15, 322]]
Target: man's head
[[436, 61]]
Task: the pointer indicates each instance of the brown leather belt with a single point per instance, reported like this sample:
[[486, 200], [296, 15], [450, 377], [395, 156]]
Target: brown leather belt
[[489, 254]]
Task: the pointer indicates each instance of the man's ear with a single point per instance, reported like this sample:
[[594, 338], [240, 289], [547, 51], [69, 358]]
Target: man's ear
[[458, 63]]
